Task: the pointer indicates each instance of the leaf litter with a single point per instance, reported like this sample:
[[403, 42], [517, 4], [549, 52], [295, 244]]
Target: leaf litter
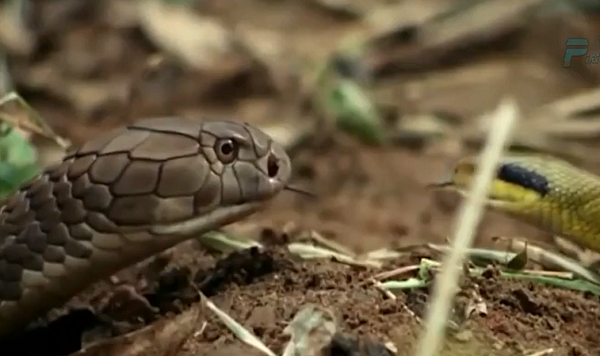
[[442, 74]]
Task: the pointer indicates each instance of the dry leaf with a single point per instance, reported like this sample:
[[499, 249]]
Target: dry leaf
[[199, 41], [14, 36], [163, 338]]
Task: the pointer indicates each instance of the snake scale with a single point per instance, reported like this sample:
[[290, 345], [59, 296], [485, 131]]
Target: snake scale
[[123, 197], [544, 191]]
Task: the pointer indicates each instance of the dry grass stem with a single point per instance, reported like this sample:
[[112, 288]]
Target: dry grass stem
[[542, 353], [549, 259], [396, 272], [470, 214]]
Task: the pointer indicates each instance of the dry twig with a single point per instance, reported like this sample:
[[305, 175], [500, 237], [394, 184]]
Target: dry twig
[[504, 119]]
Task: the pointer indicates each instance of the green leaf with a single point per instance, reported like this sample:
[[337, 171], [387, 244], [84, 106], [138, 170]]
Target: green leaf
[[410, 283], [573, 284], [342, 98], [14, 148], [12, 176], [18, 160], [355, 113]]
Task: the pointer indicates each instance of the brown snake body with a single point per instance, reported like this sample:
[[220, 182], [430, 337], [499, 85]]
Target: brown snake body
[[123, 197]]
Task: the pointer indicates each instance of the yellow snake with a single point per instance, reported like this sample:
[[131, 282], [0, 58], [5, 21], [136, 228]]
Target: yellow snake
[[126, 196], [543, 191]]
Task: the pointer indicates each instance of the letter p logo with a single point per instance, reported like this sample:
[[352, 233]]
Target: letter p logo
[[574, 52]]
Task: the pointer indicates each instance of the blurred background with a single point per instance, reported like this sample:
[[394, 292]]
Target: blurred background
[[373, 98]]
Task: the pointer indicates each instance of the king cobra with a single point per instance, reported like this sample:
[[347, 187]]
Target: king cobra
[[123, 197]]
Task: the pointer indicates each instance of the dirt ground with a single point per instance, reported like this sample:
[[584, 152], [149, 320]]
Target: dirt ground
[[78, 75]]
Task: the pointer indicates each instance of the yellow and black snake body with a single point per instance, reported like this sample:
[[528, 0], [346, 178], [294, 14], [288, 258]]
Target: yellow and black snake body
[[544, 191]]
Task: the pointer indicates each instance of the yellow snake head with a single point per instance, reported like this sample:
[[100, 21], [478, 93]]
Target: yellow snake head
[[515, 187], [544, 191]]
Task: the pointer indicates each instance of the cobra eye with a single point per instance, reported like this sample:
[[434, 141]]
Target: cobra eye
[[226, 150]]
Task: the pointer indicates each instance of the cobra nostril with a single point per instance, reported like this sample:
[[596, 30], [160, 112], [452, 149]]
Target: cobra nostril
[[272, 166]]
